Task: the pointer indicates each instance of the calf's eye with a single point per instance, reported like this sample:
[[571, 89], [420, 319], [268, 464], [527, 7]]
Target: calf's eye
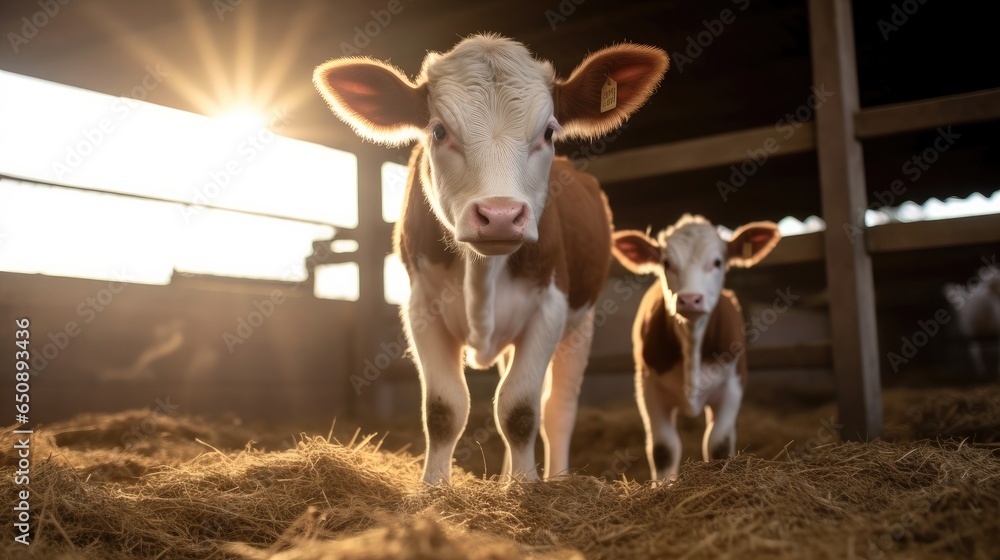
[[717, 263], [548, 134], [439, 133]]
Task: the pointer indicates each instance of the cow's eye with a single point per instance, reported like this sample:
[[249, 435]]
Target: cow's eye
[[439, 133], [666, 264], [548, 134], [717, 263]]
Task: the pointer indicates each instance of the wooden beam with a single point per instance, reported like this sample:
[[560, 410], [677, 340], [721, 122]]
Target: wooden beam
[[894, 237], [373, 237], [972, 107], [973, 230], [842, 185], [796, 249], [732, 147], [699, 153], [803, 355]]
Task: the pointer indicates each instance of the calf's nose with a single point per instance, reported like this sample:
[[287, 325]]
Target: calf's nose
[[499, 219], [690, 302]]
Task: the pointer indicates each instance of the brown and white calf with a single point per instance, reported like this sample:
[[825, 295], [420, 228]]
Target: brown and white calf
[[487, 208], [977, 312], [689, 340]]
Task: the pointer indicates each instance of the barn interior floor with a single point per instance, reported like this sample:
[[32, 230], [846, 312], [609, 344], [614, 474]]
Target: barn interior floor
[[929, 489]]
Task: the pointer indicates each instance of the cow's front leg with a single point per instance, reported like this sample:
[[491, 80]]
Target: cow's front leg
[[720, 419], [519, 393], [663, 444], [445, 392], [562, 395]]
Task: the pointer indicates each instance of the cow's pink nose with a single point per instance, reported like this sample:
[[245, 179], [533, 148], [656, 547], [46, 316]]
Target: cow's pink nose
[[499, 219], [688, 302]]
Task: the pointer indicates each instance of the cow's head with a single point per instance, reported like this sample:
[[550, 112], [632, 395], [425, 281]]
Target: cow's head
[[487, 113], [691, 259]]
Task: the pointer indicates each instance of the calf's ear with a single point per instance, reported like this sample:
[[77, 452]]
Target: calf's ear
[[636, 70], [374, 98], [751, 243], [636, 251]]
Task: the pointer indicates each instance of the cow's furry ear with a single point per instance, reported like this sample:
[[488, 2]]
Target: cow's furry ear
[[376, 99], [636, 69], [751, 243], [636, 251]]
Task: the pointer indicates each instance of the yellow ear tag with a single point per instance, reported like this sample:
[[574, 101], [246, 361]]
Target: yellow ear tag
[[747, 250], [609, 95]]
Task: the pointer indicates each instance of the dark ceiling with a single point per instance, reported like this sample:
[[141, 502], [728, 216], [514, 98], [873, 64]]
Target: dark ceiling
[[752, 74]]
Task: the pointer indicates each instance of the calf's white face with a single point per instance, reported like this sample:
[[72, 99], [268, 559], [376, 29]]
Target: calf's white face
[[691, 259], [487, 113], [490, 142]]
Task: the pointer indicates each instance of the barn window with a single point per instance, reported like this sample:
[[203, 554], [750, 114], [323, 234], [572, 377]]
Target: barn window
[[397, 283], [393, 185], [114, 188]]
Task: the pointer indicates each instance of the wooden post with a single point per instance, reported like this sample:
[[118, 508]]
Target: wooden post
[[374, 238], [844, 198]]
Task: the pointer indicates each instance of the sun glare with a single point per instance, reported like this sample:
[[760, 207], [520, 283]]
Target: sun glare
[[232, 162]]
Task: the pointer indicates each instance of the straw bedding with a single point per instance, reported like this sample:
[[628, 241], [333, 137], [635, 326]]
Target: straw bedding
[[194, 489]]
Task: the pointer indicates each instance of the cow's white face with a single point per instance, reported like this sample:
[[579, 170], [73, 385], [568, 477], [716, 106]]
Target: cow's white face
[[691, 259], [692, 268], [486, 114], [489, 142]]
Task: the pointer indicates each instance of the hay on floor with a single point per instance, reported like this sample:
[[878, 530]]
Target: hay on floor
[[325, 500]]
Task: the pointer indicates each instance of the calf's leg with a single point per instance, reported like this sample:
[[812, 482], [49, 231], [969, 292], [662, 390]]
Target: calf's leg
[[445, 394], [561, 395], [519, 393], [663, 445], [720, 418]]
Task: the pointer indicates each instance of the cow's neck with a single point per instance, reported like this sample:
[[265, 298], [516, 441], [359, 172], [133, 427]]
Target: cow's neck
[[691, 334], [480, 284]]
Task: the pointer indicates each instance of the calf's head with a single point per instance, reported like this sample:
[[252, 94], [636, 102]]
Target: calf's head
[[487, 113], [691, 259]]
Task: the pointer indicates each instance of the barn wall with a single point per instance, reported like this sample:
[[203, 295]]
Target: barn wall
[[108, 346]]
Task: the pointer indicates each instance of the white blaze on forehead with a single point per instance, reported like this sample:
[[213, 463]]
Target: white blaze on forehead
[[490, 89], [691, 241]]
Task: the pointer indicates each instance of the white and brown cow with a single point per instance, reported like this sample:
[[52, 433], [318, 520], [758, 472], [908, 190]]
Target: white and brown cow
[[487, 208], [977, 312], [689, 340]]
